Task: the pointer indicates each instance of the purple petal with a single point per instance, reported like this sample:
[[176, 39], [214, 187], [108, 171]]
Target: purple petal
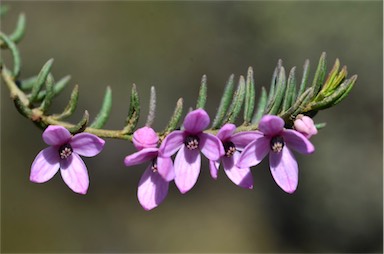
[[214, 168], [75, 174], [152, 189], [298, 142], [165, 168], [242, 139], [56, 135], [87, 144], [271, 125], [226, 131], [196, 121], [284, 169], [172, 143], [45, 165], [254, 153], [141, 156], [239, 176], [187, 168], [211, 146]]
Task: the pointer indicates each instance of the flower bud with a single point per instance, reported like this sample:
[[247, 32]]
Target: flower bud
[[145, 137], [305, 125]]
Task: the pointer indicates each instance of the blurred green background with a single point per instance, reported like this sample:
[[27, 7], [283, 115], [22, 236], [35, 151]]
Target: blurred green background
[[338, 204]]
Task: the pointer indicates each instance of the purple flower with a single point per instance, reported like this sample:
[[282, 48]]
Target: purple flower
[[64, 153], [277, 141], [153, 185], [189, 142], [305, 125], [232, 145]]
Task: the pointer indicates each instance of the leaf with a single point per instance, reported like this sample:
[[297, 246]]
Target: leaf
[[41, 78], [224, 103], [58, 87], [105, 110], [260, 106], [71, 106], [19, 31], [237, 102], [319, 75], [15, 54], [296, 107], [290, 93], [280, 91], [175, 119], [201, 100], [249, 97], [133, 113], [152, 107], [49, 94], [304, 79], [81, 125]]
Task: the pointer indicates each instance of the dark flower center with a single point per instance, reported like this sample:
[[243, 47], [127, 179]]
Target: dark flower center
[[277, 144], [229, 149], [65, 151], [154, 165], [192, 142]]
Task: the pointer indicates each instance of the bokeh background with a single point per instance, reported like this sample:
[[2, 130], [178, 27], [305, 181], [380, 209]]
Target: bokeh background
[[338, 204]]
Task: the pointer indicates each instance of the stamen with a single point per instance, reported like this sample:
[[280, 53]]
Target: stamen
[[229, 149], [192, 142], [65, 151], [277, 144], [154, 165]]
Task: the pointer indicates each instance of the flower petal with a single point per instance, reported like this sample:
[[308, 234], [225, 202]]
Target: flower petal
[[172, 143], [165, 168], [55, 135], [187, 168], [271, 125], [226, 131], [284, 169], [298, 142], [239, 176], [152, 189], [196, 121], [86, 144], [242, 139], [45, 165], [214, 168], [254, 153], [141, 156], [75, 174], [211, 146]]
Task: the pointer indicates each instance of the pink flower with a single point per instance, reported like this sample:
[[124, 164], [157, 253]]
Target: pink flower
[[64, 153], [277, 141], [305, 125], [154, 183], [232, 145], [188, 143]]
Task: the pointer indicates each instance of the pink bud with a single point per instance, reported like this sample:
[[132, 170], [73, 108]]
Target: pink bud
[[305, 125], [145, 137]]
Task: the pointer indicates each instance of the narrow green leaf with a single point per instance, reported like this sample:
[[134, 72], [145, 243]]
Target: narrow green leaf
[[352, 81], [304, 79], [15, 54], [19, 31], [290, 93], [296, 107], [271, 94], [59, 86], [260, 106], [319, 75], [280, 91], [224, 103], [27, 84], [201, 100], [105, 110], [328, 84], [71, 106], [133, 113], [152, 107], [249, 97], [175, 119], [49, 94], [41, 80], [320, 125], [237, 102], [81, 125]]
